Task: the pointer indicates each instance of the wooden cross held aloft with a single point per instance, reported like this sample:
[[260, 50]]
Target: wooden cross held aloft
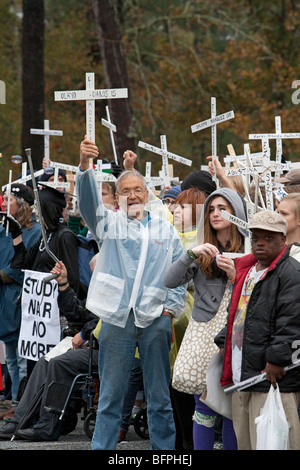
[[213, 122], [239, 160], [102, 176], [112, 128], [46, 132], [153, 181], [24, 179], [165, 156], [90, 95], [278, 136], [266, 169]]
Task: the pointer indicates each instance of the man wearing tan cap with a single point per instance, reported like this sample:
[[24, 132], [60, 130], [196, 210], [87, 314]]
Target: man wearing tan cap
[[291, 178], [263, 324]]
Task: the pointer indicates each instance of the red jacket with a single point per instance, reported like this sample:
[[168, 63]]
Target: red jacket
[[243, 265]]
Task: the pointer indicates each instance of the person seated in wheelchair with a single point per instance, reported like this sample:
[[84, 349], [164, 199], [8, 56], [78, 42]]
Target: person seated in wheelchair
[[62, 369]]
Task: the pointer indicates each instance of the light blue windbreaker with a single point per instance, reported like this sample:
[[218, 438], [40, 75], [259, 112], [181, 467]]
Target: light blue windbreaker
[[131, 262]]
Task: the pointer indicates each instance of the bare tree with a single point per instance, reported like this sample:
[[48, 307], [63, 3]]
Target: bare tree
[[107, 16], [33, 78]]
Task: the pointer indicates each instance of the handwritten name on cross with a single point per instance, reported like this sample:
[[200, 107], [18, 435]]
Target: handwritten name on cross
[[165, 156], [112, 128], [153, 181], [244, 225], [278, 136], [213, 122], [46, 132], [266, 169], [90, 95]]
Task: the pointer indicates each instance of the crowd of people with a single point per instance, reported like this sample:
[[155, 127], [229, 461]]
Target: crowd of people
[[171, 285]]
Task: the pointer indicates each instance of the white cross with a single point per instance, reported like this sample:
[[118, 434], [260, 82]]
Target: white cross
[[237, 163], [165, 156], [213, 122], [2, 92], [240, 163], [103, 176], [256, 158], [70, 180], [24, 169], [100, 175], [165, 164], [90, 95], [8, 192], [153, 181], [112, 128], [24, 179], [46, 132], [244, 225], [278, 136], [278, 143], [266, 168]]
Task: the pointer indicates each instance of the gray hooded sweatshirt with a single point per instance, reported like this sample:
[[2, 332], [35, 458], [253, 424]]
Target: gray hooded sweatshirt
[[208, 292]]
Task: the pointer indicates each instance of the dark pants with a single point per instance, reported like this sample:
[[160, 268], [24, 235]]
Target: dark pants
[[61, 369]]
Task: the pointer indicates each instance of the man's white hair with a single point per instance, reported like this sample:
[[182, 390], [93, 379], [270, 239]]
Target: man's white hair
[[129, 173]]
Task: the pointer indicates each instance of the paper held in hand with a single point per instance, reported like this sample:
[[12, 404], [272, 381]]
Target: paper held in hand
[[60, 348]]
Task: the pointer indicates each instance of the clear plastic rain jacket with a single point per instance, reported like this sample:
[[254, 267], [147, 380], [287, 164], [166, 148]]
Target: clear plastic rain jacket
[[132, 259]]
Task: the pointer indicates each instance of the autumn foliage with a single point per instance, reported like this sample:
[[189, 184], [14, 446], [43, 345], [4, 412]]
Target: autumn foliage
[[178, 54]]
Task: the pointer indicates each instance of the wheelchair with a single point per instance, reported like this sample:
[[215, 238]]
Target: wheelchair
[[82, 397]]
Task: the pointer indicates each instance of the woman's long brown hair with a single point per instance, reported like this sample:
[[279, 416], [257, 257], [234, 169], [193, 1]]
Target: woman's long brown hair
[[234, 244]]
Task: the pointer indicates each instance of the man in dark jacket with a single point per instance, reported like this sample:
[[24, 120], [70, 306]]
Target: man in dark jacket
[[263, 327]]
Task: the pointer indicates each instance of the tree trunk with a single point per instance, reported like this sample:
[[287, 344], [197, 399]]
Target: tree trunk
[[114, 63], [33, 79]]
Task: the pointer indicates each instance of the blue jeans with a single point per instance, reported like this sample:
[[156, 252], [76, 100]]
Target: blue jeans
[[16, 366], [135, 384], [116, 356]]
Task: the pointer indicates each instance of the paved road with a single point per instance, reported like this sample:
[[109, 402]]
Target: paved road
[[76, 440]]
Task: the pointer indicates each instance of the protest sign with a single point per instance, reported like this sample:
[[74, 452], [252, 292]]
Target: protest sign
[[40, 325]]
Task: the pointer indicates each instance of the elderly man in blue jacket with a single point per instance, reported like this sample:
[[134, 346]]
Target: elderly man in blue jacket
[[128, 294]]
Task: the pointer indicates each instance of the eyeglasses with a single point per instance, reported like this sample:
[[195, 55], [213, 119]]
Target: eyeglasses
[[171, 202], [137, 192]]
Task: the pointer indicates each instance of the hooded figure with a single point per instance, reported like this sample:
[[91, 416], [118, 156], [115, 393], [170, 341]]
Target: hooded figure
[[52, 204], [61, 240]]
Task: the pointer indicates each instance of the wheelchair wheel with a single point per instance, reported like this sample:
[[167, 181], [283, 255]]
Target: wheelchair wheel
[[69, 421], [89, 424], [140, 424]]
